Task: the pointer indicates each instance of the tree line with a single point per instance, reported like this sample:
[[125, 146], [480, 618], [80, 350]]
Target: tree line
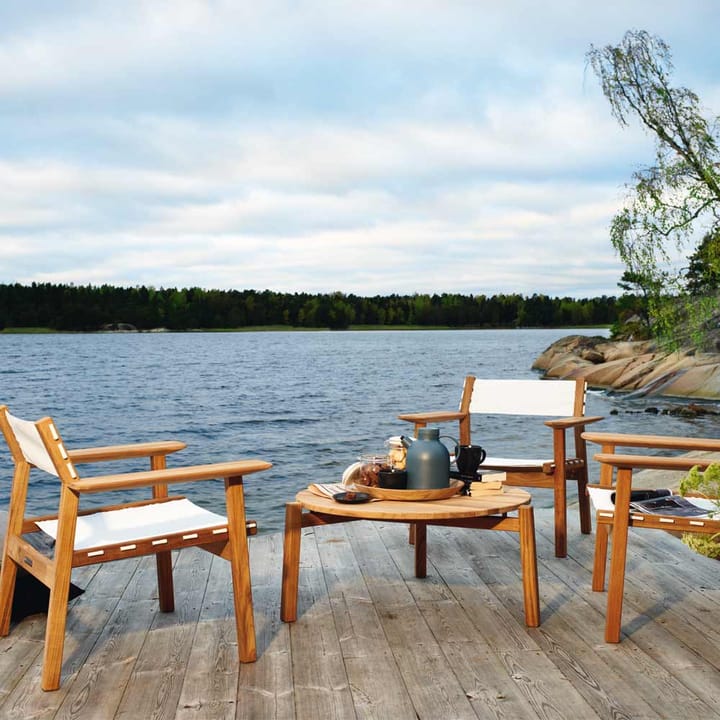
[[91, 308]]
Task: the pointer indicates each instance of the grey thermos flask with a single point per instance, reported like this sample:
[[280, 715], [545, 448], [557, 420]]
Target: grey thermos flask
[[428, 461]]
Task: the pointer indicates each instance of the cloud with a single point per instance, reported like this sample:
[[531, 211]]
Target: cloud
[[372, 148]]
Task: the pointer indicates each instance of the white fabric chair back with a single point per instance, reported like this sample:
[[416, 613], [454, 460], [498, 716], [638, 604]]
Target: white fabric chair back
[[524, 397], [31, 444]]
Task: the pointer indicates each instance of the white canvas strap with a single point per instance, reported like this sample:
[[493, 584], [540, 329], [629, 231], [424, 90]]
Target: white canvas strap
[[524, 397], [31, 444]]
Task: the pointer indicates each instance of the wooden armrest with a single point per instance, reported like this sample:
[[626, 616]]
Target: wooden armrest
[[124, 452], [104, 483], [654, 462], [570, 422], [434, 416], [660, 442]]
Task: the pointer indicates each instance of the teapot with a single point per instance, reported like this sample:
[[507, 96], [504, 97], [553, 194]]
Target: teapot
[[428, 460]]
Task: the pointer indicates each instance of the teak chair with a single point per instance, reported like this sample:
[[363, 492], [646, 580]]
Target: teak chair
[[616, 472], [563, 400], [152, 527]]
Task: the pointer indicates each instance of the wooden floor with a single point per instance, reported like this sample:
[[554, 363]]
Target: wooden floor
[[372, 641]]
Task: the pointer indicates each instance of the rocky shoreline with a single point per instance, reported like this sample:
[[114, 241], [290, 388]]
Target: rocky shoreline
[[637, 367]]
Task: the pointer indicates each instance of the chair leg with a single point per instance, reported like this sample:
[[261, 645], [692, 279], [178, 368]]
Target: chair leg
[[166, 594], [55, 631], [8, 575], [584, 503], [59, 590], [8, 571], [602, 535], [560, 492], [163, 561], [616, 586], [240, 565], [560, 502]]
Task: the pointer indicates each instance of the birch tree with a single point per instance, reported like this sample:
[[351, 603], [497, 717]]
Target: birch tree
[[676, 200]]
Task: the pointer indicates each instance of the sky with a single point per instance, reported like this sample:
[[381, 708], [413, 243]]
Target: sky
[[375, 147]]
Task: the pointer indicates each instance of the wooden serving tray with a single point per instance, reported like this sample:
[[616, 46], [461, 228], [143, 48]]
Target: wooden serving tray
[[414, 495]]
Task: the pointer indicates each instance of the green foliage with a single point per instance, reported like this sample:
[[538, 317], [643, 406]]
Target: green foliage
[[628, 326], [707, 484], [87, 308], [703, 482], [707, 545], [633, 321], [678, 194], [703, 273]]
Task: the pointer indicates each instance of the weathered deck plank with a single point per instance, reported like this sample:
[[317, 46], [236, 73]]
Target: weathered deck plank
[[373, 641], [662, 668], [616, 679], [321, 685], [537, 684], [211, 678], [430, 682], [154, 687], [375, 680], [265, 687]]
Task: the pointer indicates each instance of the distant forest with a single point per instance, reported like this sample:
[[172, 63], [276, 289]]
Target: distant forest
[[90, 308]]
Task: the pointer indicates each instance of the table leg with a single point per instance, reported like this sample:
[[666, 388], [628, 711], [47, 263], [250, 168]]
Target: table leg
[[420, 549], [528, 562], [291, 562]]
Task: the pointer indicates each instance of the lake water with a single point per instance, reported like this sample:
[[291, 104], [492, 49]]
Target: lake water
[[309, 402]]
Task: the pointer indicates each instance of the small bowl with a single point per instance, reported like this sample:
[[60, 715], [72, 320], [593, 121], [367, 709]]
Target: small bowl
[[351, 497], [392, 479]]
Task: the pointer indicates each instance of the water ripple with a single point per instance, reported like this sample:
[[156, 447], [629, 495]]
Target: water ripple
[[308, 402]]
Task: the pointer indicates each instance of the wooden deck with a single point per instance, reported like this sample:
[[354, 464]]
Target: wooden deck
[[372, 641]]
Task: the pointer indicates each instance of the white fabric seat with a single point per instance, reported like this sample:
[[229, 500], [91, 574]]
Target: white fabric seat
[[127, 525]]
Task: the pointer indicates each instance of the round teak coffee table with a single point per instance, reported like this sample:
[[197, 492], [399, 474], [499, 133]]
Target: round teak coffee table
[[482, 510]]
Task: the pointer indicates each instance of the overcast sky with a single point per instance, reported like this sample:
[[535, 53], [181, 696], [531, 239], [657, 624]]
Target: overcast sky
[[371, 147]]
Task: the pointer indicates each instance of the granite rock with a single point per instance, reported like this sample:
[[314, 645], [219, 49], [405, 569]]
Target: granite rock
[[633, 366]]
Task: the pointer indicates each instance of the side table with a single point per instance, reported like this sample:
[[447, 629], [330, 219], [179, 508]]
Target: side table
[[487, 511]]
